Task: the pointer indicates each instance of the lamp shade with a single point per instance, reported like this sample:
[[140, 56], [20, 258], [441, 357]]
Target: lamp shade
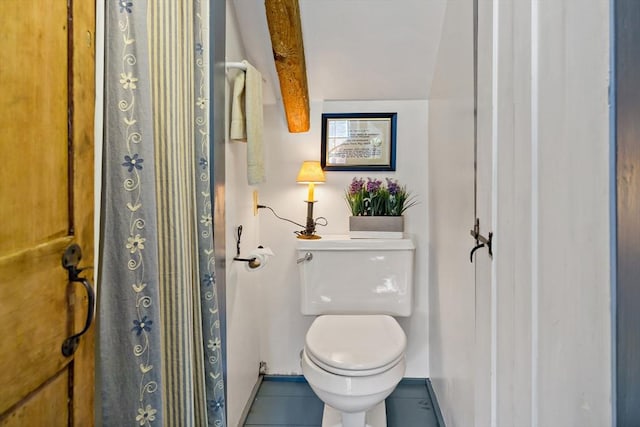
[[310, 173]]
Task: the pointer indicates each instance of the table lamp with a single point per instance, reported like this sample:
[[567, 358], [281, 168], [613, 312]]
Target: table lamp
[[310, 173]]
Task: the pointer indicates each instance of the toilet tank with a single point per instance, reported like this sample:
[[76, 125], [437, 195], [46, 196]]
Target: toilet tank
[[339, 275]]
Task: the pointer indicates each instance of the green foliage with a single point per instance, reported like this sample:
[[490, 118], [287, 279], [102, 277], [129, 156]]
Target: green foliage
[[373, 198]]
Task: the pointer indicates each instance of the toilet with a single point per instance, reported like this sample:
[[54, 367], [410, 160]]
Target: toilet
[[354, 351]]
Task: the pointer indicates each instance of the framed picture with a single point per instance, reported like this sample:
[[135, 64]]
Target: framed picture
[[358, 142]]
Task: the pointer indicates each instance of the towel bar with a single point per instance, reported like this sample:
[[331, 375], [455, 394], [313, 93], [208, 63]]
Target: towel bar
[[238, 65]]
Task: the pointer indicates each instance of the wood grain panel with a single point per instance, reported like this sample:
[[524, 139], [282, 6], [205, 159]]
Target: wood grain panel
[[34, 320], [283, 17], [47, 407], [33, 76], [83, 93], [46, 195]]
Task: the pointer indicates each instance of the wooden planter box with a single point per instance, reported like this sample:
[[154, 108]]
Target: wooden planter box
[[376, 227]]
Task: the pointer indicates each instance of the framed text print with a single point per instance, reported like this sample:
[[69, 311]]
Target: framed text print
[[358, 141]]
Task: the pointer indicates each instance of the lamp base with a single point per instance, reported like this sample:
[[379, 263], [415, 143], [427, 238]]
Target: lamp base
[[309, 236], [309, 232]]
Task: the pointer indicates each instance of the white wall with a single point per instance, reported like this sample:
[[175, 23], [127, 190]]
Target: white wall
[[542, 307], [282, 325], [571, 288], [451, 275], [242, 334]]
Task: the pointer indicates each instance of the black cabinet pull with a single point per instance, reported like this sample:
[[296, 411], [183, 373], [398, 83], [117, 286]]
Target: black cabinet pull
[[70, 260]]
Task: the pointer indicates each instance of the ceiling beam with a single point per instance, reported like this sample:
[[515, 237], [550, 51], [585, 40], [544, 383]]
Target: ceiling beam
[[283, 18]]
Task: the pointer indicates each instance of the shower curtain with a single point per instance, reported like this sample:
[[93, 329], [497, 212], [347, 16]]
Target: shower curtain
[[159, 348]]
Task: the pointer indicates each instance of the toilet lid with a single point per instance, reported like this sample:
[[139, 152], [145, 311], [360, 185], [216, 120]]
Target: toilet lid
[[355, 343]]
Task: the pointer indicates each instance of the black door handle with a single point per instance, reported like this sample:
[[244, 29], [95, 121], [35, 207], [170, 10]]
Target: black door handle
[[70, 260], [476, 247]]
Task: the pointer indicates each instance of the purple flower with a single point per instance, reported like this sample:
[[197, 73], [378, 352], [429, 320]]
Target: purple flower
[[373, 185], [393, 186], [375, 198], [356, 186]]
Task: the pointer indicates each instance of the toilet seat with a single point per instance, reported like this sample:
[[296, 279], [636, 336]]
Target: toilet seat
[[353, 372], [355, 345]]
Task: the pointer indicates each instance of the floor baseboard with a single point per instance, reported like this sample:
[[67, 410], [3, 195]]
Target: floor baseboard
[[434, 402], [252, 396]]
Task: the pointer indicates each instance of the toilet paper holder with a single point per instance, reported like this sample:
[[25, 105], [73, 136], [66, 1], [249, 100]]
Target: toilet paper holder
[[252, 262]]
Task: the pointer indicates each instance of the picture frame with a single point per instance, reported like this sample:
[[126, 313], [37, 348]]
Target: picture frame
[[358, 141]]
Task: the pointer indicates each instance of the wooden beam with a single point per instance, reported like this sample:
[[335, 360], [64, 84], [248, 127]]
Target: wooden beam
[[283, 17]]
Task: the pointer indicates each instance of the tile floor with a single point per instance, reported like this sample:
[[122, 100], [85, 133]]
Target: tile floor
[[289, 401]]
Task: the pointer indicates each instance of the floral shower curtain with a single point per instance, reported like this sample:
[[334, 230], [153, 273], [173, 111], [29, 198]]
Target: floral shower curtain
[[159, 348]]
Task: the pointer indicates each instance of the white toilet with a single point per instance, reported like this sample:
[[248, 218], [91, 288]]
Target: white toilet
[[354, 351]]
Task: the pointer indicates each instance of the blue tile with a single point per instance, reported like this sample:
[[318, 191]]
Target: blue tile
[[288, 401], [422, 381], [410, 389], [410, 413], [285, 388], [285, 378], [285, 410]]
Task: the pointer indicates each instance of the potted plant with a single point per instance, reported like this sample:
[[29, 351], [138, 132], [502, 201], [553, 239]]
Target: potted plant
[[377, 208]]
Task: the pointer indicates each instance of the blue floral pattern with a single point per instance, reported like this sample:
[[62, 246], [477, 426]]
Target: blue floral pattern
[[132, 162], [134, 242], [217, 405], [142, 325], [131, 330], [208, 279], [210, 315], [125, 6]]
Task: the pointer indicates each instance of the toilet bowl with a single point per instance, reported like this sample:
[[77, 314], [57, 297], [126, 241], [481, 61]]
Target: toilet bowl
[[352, 363], [354, 351]]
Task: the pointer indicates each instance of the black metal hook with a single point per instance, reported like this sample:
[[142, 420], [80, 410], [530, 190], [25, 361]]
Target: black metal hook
[[238, 238], [481, 241]]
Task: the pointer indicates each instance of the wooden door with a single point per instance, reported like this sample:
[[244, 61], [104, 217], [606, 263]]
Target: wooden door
[[46, 204]]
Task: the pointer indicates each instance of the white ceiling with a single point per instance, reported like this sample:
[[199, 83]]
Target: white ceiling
[[354, 49]]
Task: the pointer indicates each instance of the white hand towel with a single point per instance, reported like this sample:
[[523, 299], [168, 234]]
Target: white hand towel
[[247, 120], [238, 126], [254, 119]]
